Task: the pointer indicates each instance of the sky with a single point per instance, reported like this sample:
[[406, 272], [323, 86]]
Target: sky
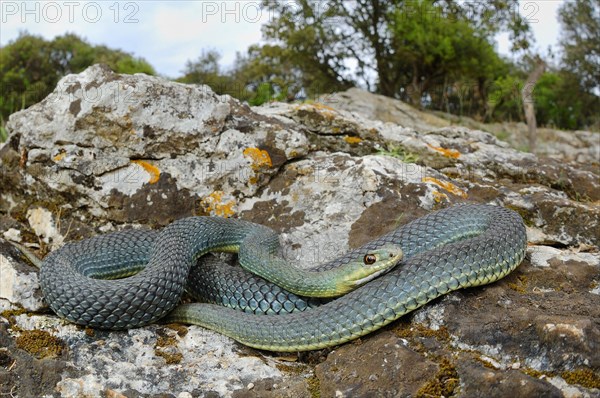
[[169, 33]]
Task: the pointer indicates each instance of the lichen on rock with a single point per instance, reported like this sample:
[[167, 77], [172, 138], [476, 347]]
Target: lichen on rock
[[105, 152]]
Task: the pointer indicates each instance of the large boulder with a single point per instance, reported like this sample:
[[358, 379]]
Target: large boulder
[[105, 152]]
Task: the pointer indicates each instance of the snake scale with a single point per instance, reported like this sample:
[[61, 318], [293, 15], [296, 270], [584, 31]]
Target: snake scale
[[449, 249]]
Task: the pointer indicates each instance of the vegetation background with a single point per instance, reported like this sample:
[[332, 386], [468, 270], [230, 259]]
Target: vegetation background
[[434, 54]]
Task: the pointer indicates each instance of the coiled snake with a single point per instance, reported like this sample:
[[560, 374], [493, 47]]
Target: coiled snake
[[458, 247]]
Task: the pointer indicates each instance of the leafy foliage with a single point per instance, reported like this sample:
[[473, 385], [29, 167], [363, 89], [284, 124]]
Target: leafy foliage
[[442, 58], [437, 54], [434, 53], [580, 40], [30, 67], [505, 101], [263, 74], [206, 70], [560, 103]]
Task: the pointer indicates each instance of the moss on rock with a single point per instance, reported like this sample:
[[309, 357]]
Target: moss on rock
[[40, 343]]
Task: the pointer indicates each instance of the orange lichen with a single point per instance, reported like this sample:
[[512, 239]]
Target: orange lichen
[[449, 153], [438, 196], [259, 157], [448, 186], [213, 204], [326, 111], [320, 105], [352, 140], [150, 169], [60, 156]]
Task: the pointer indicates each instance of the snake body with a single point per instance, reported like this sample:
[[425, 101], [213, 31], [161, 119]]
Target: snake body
[[458, 247], [78, 280], [213, 281]]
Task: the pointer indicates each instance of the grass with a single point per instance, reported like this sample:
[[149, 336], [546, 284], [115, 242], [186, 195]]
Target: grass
[[399, 152], [503, 135], [3, 134]]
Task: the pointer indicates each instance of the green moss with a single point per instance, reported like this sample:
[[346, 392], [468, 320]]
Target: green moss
[[40, 343], [441, 334], [584, 377], [412, 331], [519, 286], [170, 358], [180, 329], [10, 315], [314, 386], [443, 384], [525, 215], [166, 341], [297, 369], [535, 373], [403, 330], [485, 363]]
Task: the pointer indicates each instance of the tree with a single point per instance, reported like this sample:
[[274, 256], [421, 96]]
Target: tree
[[528, 102], [557, 105], [311, 43], [432, 50], [27, 73], [204, 68], [377, 35], [271, 66], [505, 101], [580, 41], [30, 67], [262, 74]]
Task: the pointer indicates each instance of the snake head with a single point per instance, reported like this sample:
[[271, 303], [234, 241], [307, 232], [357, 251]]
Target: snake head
[[370, 265]]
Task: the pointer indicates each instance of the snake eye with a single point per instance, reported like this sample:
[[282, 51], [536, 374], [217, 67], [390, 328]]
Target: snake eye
[[370, 259]]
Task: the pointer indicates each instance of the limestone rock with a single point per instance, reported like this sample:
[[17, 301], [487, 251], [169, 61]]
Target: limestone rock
[[105, 152], [579, 146], [18, 282], [373, 368]]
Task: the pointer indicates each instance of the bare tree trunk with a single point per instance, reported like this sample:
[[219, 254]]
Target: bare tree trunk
[[416, 90], [528, 104]]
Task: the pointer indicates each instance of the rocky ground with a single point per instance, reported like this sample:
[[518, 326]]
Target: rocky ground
[[105, 152], [580, 146]]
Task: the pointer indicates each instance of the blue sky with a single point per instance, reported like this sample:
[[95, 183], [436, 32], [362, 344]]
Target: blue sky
[[169, 33]]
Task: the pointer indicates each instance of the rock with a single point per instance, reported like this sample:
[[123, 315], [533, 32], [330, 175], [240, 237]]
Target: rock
[[24, 375], [124, 157], [580, 146], [105, 152], [19, 285], [379, 107], [384, 360], [479, 380]]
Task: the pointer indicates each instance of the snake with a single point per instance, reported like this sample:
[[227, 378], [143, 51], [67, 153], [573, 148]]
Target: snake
[[131, 278]]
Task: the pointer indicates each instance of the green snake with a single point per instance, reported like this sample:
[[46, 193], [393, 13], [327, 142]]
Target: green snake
[[457, 247]]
